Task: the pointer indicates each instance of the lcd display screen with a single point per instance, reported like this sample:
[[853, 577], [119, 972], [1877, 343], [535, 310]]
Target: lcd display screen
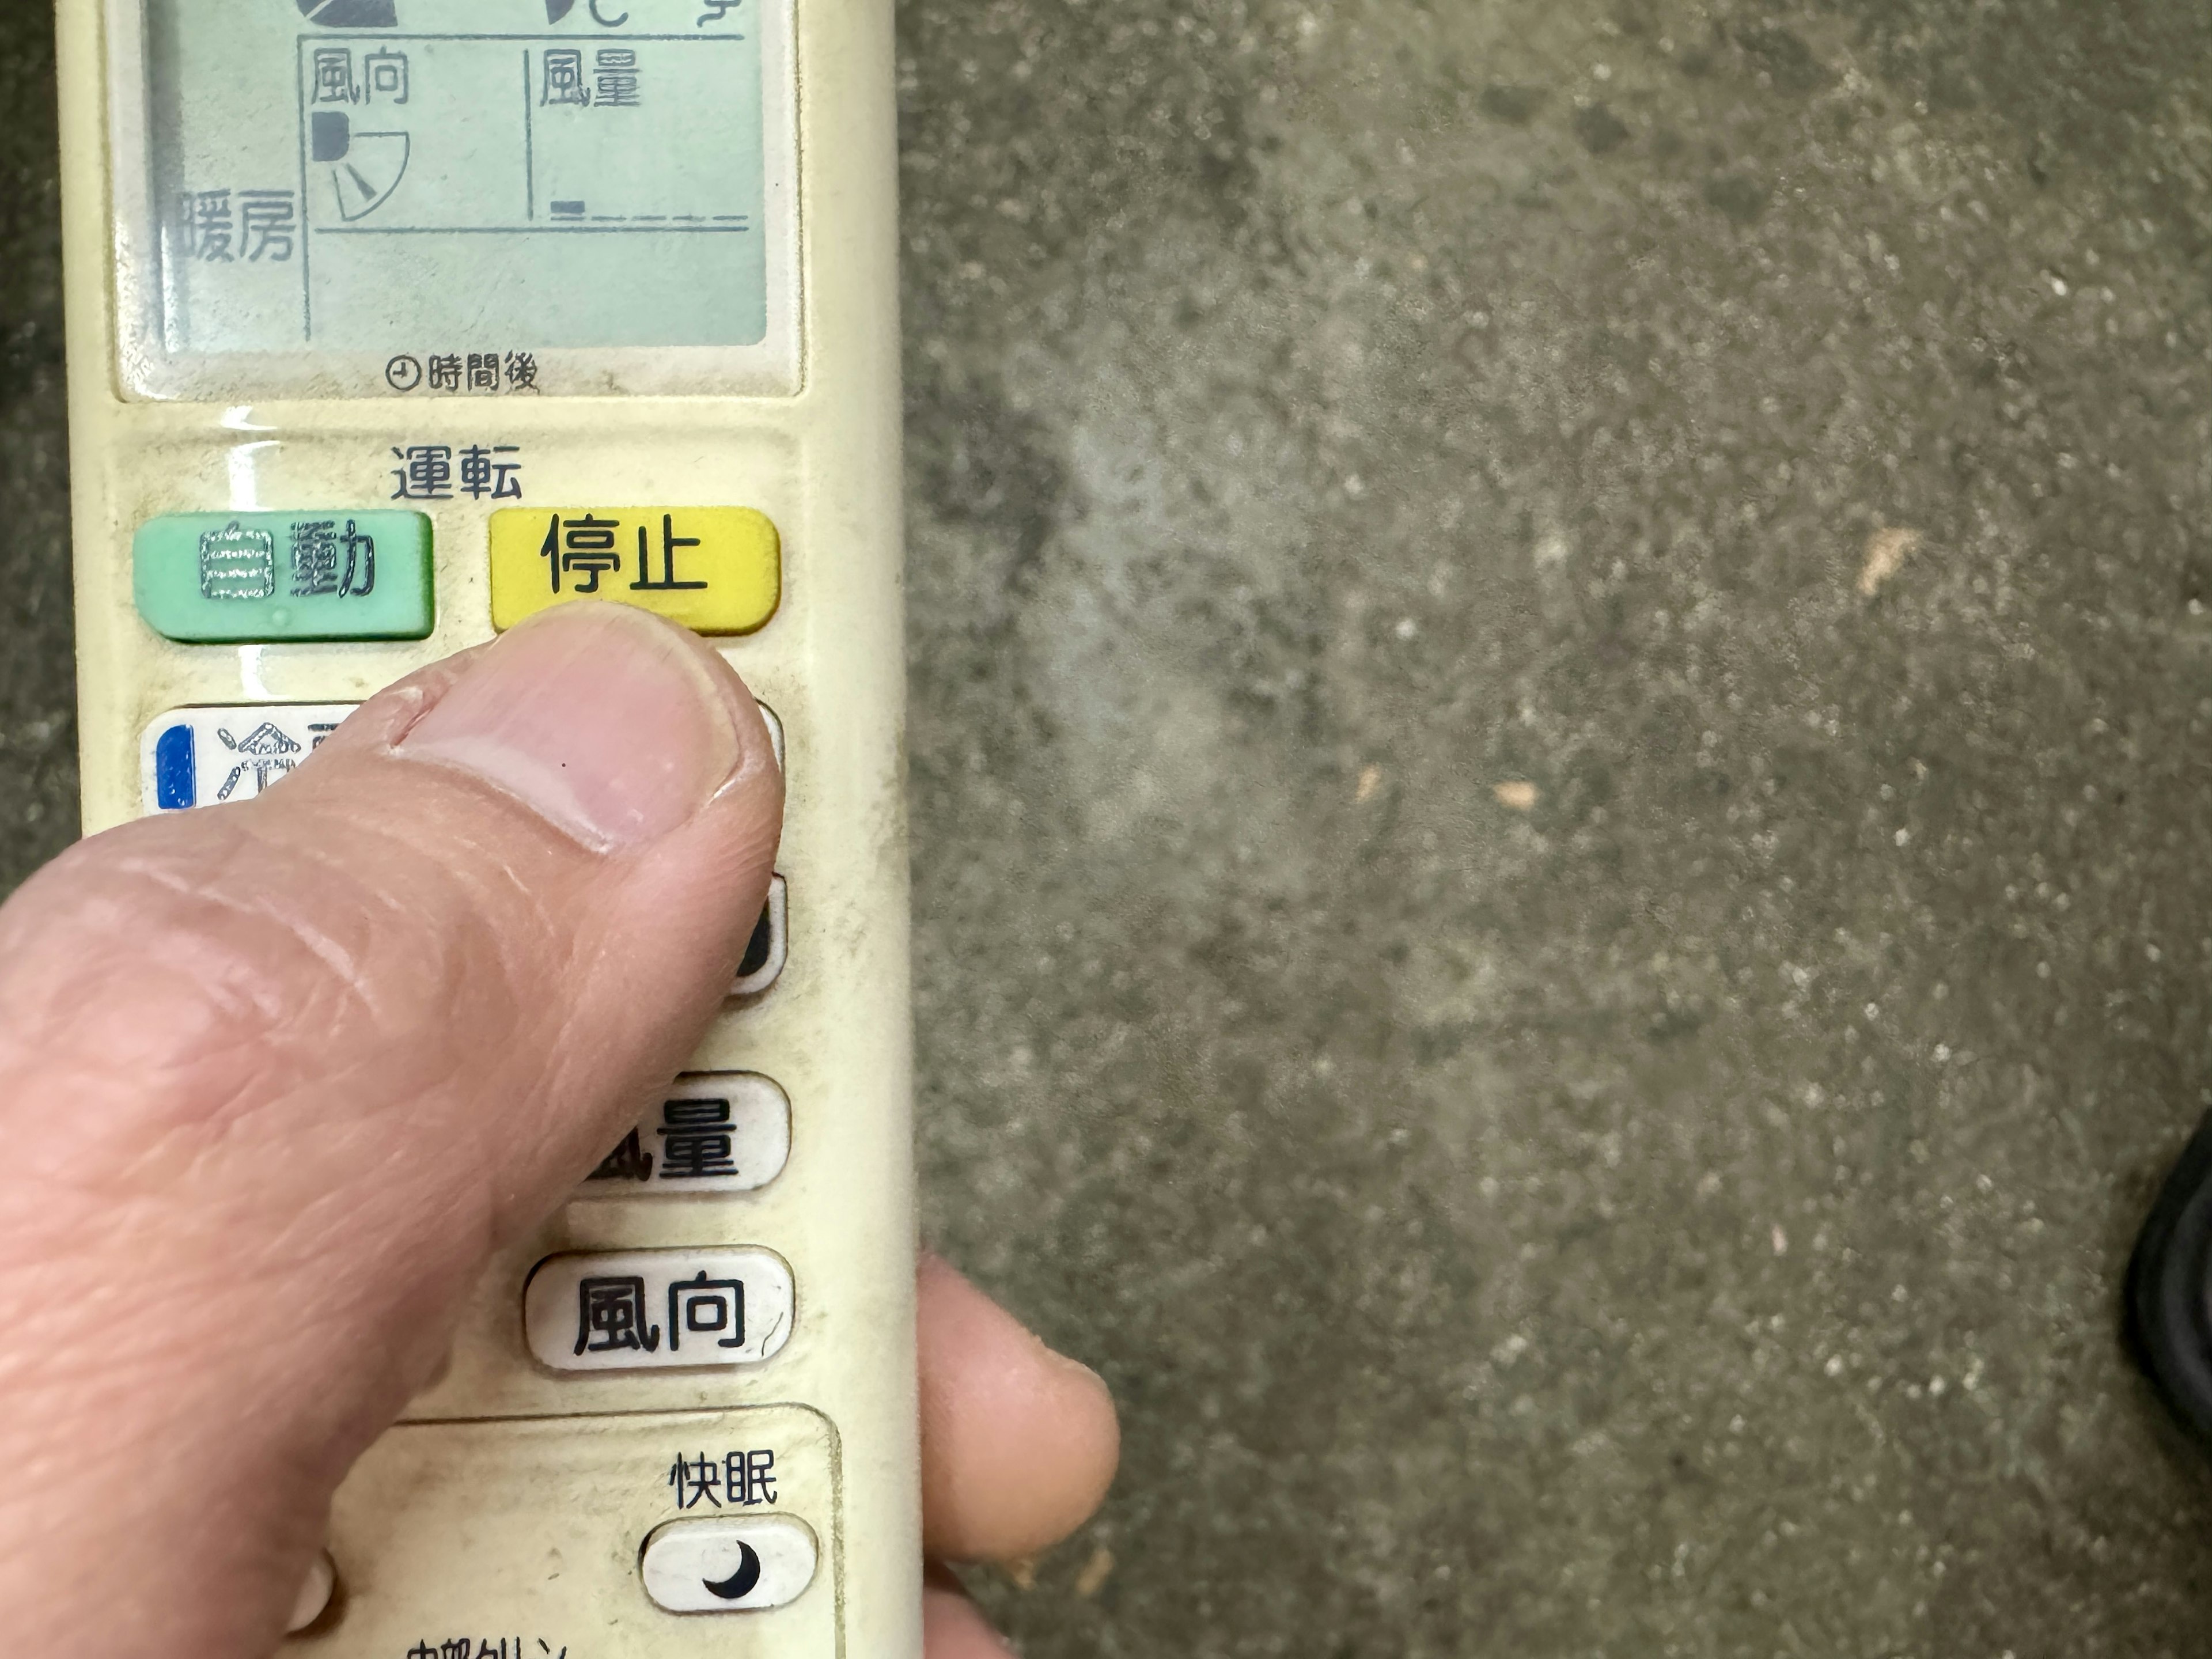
[[414, 181]]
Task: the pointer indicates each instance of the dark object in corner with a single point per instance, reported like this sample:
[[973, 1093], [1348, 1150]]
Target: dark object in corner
[[2169, 1289]]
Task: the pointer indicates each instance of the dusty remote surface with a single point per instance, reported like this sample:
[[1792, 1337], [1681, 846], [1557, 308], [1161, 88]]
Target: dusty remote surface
[[387, 331]]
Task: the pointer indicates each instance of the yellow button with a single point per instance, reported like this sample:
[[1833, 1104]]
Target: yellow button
[[715, 569]]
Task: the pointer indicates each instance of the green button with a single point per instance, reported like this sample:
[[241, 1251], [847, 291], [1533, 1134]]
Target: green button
[[252, 577]]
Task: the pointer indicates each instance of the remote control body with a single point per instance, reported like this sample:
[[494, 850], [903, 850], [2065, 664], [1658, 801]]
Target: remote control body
[[392, 322]]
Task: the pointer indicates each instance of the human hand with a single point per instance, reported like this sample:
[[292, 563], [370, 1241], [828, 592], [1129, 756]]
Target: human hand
[[327, 1050]]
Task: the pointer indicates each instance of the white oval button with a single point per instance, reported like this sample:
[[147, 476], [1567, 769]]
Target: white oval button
[[728, 1566], [658, 1309], [713, 1132], [204, 756]]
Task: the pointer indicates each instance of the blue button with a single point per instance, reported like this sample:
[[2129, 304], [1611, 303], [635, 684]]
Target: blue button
[[207, 756], [176, 774]]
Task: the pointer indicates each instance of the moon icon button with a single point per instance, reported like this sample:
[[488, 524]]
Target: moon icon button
[[740, 1584], [728, 1564]]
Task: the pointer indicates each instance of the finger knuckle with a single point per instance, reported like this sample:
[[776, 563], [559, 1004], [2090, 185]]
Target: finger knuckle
[[211, 967]]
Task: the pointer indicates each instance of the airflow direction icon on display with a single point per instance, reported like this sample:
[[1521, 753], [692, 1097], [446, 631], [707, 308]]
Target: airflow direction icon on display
[[364, 168]]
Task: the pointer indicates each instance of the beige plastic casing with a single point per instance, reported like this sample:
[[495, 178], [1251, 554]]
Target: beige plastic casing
[[512, 1502]]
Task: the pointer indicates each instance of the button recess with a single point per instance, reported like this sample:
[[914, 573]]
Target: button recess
[[658, 1309], [725, 1566], [264, 578], [715, 569], [313, 1600], [769, 950]]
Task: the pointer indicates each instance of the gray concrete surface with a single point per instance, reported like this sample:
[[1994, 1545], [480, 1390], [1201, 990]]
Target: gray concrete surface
[[38, 688], [1561, 689]]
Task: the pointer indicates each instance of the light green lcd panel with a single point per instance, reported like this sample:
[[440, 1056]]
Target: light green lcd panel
[[457, 180]]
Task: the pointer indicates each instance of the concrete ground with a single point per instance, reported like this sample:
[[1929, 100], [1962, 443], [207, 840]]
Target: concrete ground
[[1561, 678]]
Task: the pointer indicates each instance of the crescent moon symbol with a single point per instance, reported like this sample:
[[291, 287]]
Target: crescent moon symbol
[[740, 1584]]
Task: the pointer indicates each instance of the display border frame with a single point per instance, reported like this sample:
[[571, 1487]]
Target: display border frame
[[148, 371]]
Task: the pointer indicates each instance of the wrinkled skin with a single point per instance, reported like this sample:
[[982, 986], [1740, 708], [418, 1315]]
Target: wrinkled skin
[[277, 1077]]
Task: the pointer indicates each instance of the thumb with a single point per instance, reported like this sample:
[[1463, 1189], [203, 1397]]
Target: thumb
[[277, 1077]]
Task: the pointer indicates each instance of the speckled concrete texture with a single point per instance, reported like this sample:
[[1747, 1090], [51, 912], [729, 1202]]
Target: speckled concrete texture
[[1560, 795], [1561, 691], [38, 685]]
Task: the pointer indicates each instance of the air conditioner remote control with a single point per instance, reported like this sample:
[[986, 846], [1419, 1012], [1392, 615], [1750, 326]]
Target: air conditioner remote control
[[393, 322]]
